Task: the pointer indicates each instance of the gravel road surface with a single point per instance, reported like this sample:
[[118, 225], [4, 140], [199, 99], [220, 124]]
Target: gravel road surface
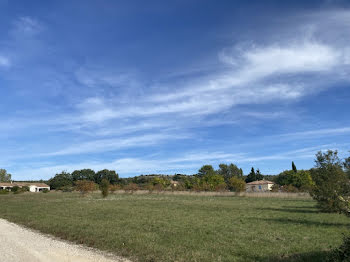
[[18, 244]]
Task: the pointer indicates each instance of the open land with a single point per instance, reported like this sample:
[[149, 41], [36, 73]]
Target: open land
[[160, 227]]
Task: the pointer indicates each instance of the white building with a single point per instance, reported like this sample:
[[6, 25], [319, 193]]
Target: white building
[[259, 186], [33, 187]]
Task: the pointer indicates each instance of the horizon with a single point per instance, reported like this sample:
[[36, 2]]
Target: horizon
[[168, 87]]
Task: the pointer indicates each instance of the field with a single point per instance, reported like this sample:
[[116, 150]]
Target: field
[[153, 227]]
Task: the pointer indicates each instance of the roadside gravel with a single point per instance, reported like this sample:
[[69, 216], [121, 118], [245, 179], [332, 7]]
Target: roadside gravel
[[19, 244]]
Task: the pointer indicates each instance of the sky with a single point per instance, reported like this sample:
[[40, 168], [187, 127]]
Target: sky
[[146, 87]]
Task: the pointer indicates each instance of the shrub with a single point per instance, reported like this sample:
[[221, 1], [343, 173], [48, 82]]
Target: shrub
[[275, 188], [131, 187], [237, 184], [15, 189], [114, 188], [45, 190], [221, 187], [290, 189], [84, 186], [104, 187], [4, 192], [67, 189], [342, 253], [25, 188]]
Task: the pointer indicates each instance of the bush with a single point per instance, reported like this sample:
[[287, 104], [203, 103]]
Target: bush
[[131, 188], [104, 187], [114, 188], [290, 189], [342, 253], [84, 186], [15, 189], [237, 184], [4, 192], [45, 190], [25, 188], [67, 189], [275, 188]]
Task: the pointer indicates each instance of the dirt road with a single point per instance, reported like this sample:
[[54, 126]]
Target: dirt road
[[18, 244]]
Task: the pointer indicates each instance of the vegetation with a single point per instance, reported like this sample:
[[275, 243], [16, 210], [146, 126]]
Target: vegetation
[[332, 186], [85, 186], [104, 187], [4, 176], [156, 227]]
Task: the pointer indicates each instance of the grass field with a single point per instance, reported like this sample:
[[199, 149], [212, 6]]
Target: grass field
[[183, 228]]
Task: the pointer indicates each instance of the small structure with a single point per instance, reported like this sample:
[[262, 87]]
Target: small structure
[[174, 183], [33, 187], [259, 186]]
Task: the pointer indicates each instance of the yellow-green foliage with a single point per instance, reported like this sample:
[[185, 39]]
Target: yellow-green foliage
[[237, 184]]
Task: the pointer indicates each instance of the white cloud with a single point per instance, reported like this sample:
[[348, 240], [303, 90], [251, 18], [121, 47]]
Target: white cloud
[[104, 145], [26, 25]]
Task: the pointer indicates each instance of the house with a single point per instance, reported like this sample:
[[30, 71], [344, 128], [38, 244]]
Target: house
[[33, 187], [259, 186]]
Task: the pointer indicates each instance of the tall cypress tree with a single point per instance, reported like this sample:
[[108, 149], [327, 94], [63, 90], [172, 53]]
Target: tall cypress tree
[[258, 175], [251, 177], [294, 167]]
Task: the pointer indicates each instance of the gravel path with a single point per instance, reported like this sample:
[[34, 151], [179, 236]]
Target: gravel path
[[18, 244]]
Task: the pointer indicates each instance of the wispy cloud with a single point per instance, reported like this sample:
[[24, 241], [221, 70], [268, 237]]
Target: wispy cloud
[[105, 145]]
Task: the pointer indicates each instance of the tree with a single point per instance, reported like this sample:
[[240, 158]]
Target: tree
[[251, 176], [61, 180], [301, 179], [332, 187], [83, 174], [228, 171], [110, 175], [204, 170], [4, 176], [258, 175], [236, 184], [294, 168], [347, 166], [212, 181], [104, 187]]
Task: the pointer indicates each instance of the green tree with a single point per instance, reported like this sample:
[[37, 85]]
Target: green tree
[[301, 179], [294, 168], [206, 169], [258, 175], [104, 187], [4, 176], [228, 171], [211, 181], [251, 176], [61, 180], [332, 187], [347, 166], [110, 175], [83, 174]]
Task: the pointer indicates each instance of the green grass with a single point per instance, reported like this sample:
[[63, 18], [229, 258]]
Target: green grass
[[183, 228]]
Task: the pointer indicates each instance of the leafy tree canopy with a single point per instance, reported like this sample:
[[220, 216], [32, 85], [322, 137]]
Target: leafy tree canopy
[[4, 176], [61, 180], [206, 169], [83, 174]]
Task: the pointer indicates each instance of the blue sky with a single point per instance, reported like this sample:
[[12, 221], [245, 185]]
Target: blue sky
[[167, 86]]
